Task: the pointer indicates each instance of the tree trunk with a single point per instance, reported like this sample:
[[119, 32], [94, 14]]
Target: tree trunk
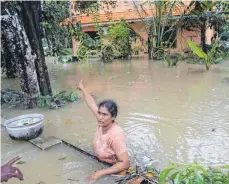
[[7, 63], [150, 41], [30, 15], [129, 56], [203, 36], [20, 49]]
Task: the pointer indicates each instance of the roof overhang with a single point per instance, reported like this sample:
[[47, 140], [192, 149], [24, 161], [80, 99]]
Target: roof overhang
[[129, 21]]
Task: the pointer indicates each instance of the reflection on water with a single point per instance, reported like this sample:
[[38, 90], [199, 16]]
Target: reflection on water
[[169, 114]]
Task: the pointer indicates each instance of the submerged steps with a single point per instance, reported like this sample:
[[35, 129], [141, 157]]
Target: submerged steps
[[45, 143]]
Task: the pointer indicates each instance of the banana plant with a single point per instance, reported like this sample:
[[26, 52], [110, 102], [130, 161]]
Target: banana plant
[[193, 174], [209, 58]]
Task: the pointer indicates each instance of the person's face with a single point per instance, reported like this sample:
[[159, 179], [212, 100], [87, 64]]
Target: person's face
[[104, 117]]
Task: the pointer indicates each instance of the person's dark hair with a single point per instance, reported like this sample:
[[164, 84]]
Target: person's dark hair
[[111, 107]]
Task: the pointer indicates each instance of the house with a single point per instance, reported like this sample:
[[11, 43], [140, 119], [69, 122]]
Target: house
[[136, 14]]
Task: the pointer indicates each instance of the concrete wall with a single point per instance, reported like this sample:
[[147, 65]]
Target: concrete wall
[[182, 36], [140, 29]]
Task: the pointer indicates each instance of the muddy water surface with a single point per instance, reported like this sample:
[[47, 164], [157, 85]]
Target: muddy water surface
[[168, 114]]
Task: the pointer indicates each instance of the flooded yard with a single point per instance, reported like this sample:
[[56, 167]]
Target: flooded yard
[[168, 114]]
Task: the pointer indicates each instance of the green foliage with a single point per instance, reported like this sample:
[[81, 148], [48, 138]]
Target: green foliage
[[218, 176], [65, 52], [86, 42], [136, 49], [164, 26], [119, 36], [197, 50], [65, 59], [12, 99], [20, 162], [172, 59], [159, 52], [203, 15], [107, 52], [176, 174], [57, 100], [56, 36], [65, 55], [198, 7], [223, 26], [82, 52], [72, 97], [92, 7], [44, 101], [209, 58], [118, 31], [193, 174]]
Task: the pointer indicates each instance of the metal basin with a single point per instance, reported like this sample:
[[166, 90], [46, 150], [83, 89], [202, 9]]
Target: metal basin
[[25, 127]]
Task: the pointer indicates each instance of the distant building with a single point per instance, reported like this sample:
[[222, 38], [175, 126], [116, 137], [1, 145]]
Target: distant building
[[136, 13]]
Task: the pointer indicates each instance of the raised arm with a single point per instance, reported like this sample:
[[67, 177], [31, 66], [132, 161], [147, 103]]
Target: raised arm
[[88, 99]]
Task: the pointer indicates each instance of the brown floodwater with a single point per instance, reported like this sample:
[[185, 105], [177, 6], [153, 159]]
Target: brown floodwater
[[168, 114]]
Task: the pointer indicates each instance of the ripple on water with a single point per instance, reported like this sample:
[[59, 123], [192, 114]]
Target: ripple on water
[[208, 135], [141, 138]]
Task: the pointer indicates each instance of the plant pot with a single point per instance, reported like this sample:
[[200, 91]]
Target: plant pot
[[25, 127]]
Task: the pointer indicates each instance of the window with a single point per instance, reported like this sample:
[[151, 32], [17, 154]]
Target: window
[[169, 37]]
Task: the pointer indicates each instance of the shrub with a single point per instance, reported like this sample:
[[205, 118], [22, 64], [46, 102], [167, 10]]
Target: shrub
[[193, 174]]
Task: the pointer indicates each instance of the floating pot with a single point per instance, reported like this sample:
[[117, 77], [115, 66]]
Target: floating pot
[[25, 127]]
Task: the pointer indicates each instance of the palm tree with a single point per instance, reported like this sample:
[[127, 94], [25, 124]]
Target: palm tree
[[161, 26]]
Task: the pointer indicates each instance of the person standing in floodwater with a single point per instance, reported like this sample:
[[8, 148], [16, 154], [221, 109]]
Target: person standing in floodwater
[[109, 143]]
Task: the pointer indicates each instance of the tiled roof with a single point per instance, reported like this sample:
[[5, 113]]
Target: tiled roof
[[127, 15]]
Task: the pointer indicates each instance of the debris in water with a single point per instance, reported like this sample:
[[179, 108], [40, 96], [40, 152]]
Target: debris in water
[[122, 172], [68, 121], [138, 176], [72, 180], [149, 175], [136, 180], [20, 162], [41, 182], [62, 158]]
